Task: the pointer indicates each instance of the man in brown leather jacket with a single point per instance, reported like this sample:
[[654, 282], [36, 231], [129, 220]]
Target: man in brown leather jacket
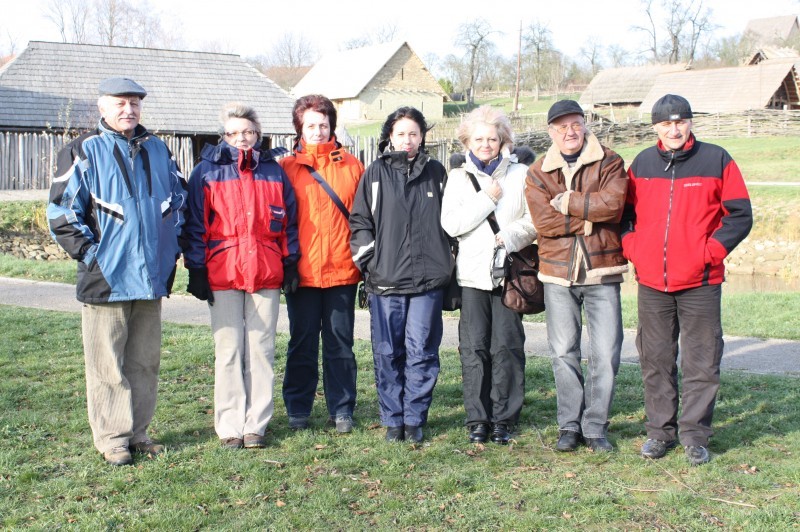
[[576, 194]]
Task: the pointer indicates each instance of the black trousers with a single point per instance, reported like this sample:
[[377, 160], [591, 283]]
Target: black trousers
[[491, 342], [692, 315]]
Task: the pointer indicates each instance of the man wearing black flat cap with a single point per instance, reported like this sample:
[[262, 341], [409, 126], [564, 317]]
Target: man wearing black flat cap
[[687, 209], [576, 193], [116, 206]]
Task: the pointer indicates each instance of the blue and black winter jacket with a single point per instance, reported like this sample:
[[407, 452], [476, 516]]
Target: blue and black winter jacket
[[116, 206]]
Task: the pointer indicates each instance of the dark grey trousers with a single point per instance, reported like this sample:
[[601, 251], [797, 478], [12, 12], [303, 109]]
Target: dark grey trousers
[[694, 316], [491, 343]]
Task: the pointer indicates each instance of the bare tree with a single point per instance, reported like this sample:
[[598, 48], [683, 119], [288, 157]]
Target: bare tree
[[685, 23], [474, 38], [70, 17], [382, 34], [592, 50], [617, 55], [8, 50], [111, 23], [649, 29], [540, 55], [292, 50]]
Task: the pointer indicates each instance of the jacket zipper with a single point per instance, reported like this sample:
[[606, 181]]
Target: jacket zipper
[[671, 165], [132, 152]]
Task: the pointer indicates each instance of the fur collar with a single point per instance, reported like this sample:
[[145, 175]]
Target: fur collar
[[592, 152]]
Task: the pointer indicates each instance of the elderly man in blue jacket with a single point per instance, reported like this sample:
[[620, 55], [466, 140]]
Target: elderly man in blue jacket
[[116, 206]]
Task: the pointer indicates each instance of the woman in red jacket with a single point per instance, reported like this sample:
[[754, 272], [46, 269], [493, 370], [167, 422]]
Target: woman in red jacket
[[324, 176], [241, 247]]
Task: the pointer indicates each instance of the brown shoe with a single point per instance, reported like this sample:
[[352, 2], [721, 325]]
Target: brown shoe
[[118, 456], [231, 443], [148, 447], [254, 441]]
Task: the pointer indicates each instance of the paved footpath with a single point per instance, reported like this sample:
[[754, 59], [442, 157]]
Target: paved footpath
[[780, 357]]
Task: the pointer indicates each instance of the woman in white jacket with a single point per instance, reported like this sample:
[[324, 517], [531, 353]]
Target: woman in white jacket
[[491, 337]]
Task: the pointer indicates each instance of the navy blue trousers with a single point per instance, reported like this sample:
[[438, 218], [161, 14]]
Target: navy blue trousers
[[406, 333], [331, 312]]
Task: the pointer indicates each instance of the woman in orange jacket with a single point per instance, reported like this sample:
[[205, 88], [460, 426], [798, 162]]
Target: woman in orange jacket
[[324, 176]]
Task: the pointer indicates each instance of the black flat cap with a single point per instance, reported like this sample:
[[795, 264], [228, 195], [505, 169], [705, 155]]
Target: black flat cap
[[562, 108], [121, 87], [670, 107]]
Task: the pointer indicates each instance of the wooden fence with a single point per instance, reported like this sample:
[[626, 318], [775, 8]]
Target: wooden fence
[[28, 160]]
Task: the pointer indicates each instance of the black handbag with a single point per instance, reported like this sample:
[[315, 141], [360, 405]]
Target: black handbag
[[451, 300]]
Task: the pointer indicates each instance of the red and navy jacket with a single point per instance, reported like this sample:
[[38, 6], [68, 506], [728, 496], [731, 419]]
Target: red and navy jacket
[[685, 212], [241, 223]]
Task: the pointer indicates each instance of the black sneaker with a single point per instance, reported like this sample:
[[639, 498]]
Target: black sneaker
[[657, 448], [697, 455], [343, 423], [568, 441]]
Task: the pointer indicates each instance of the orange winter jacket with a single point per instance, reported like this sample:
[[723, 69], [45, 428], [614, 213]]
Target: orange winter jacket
[[324, 233]]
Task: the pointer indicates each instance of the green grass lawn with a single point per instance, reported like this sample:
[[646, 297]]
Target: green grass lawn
[[759, 158], [51, 477]]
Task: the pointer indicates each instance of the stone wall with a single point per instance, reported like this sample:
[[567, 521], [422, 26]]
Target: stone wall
[[765, 257], [32, 246]]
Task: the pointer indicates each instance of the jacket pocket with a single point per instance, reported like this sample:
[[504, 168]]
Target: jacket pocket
[[277, 215]]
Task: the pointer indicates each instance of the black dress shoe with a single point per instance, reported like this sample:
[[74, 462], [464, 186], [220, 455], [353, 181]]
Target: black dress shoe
[[568, 441], [479, 433], [413, 433], [599, 445], [501, 434], [394, 433]]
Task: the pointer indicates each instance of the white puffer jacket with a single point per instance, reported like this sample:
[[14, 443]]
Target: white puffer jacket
[[464, 213]]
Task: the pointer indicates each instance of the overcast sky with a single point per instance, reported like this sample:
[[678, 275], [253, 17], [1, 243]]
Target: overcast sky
[[250, 28]]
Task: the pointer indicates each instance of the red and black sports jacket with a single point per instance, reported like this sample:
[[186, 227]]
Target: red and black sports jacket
[[685, 212]]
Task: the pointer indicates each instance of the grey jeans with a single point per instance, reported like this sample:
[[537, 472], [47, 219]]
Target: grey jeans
[[583, 404]]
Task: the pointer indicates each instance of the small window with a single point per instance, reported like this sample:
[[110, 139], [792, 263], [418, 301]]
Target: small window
[[402, 70], [380, 104]]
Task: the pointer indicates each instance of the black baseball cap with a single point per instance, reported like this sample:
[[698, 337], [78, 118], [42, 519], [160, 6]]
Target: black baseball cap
[[670, 107]]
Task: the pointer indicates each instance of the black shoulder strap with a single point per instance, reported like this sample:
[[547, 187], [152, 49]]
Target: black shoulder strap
[[325, 186], [492, 219]]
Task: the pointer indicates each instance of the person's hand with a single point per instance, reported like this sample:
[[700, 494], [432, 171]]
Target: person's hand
[[556, 202], [198, 285], [498, 241], [290, 279], [494, 190]]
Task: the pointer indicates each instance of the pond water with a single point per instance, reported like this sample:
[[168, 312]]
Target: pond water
[[738, 284]]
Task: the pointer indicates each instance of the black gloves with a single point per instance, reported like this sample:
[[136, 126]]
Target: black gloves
[[198, 285], [290, 278]]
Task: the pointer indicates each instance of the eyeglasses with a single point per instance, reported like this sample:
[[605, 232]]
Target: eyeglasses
[[247, 133], [575, 126]]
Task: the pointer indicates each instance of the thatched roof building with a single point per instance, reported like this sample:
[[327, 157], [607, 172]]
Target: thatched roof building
[[624, 86], [773, 30], [771, 84]]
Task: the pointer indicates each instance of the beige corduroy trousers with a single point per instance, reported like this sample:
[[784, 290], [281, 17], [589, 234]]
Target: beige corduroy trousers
[[122, 353]]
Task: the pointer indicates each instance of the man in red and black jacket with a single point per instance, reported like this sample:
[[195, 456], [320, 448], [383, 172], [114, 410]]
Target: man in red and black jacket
[[687, 209]]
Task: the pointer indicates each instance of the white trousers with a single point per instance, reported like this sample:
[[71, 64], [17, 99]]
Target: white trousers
[[244, 337]]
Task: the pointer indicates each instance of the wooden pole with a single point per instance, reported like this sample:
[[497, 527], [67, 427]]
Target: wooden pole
[[519, 65]]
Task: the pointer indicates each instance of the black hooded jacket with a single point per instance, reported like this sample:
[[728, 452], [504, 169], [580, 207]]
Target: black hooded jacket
[[397, 239]]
